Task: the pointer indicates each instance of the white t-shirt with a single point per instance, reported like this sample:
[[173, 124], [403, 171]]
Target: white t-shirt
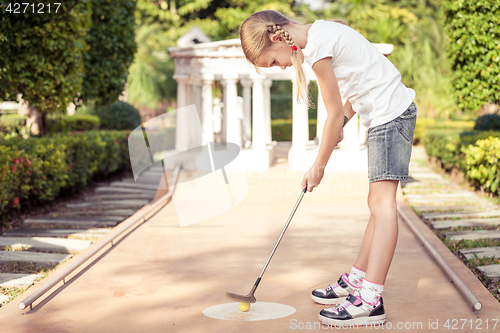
[[365, 76]]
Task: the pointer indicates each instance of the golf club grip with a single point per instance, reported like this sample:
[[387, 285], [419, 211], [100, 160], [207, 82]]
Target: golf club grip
[[257, 282], [345, 122]]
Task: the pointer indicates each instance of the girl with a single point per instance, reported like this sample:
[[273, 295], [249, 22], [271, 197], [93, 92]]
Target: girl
[[354, 77]]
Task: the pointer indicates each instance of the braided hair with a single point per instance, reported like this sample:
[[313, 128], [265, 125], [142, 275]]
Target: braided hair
[[254, 36]]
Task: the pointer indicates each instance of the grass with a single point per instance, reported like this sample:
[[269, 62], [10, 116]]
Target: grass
[[484, 261]]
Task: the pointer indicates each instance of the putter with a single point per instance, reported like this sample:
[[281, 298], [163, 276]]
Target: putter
[[250, 298]]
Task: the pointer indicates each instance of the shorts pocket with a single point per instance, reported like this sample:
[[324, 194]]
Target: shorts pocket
[[410, 112], [406, 127]]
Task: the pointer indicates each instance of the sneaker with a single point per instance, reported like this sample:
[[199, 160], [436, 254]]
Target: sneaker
[[334, 294], [354, 312]]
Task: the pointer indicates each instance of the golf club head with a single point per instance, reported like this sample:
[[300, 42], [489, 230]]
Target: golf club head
[[250, 298]]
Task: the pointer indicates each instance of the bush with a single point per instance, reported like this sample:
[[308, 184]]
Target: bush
[[475, 153], [481, 161], [424, 124], [281, 129], [115, 116], [488, 122], [13, 120], [38, 169], [472, 29], [64, 124]]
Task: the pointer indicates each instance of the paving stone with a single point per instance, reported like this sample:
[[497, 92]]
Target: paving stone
[[426, 175], [445, 224], [36, 232], [491, 271], [4, 298], [482, 252], [141, 180], [101, 211], [449, 208], [429, 216], [8, 280], [133, 185], [425, 185], [426, 190], [120, 196], [111, 203], [455, 195], [124, 190], [108, 221], [449, 201], [38, 258], [473, 234], [60, 245]]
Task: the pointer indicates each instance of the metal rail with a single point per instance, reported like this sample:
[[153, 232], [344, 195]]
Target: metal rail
[[140, 216], [466, 293]]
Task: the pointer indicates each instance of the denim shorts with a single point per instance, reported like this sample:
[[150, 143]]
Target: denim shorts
[[389, 147]]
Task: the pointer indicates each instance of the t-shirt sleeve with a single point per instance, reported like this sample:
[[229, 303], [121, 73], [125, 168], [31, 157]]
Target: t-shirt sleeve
[[322, 44]]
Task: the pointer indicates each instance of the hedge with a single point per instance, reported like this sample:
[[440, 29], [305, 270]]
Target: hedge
[[281, 129], [56, 123], [38, 169], [424, 124], [65, 124], [475, 153]]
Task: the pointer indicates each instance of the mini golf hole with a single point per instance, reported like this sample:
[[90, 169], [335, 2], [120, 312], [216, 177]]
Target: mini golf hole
[[257, 311]]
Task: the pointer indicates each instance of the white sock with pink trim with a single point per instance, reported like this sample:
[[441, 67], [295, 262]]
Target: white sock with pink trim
[[356, 276], [370, 292]]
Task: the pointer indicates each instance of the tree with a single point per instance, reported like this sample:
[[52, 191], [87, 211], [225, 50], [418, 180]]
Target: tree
[[42, 58], [474, 49], [111, 50]]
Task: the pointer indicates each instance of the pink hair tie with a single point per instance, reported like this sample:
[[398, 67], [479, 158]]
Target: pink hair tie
[[294, 48]]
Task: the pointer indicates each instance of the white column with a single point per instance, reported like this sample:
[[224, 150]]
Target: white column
[[321, 117], [232, 126], [267, 110], [300, 126], [206, 109], [258, 138], [247, 109], [351, 134], [363, 135], [181, 135]]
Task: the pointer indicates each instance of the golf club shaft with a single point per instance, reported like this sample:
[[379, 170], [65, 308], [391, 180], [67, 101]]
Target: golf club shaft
[[281, 236]]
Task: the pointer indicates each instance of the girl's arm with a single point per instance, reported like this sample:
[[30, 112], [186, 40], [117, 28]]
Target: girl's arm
[[335, 111], [333, 124], [348, 111]]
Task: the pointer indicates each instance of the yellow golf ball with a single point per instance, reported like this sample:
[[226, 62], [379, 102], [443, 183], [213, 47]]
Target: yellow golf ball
[[244, 306]]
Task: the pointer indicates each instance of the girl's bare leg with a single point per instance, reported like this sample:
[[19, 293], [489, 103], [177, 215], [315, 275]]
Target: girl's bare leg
[[384, 225], [364, 252]]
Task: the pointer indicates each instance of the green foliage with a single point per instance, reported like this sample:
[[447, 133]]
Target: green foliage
[[44, 61], [64, 124], [111, 50], [488, 122], [150, 79], [38, 169], [415, 28], [281, 129], [482, 163], [13, 119], [473, 46], [424, 124], [475, 153], [118, 116]]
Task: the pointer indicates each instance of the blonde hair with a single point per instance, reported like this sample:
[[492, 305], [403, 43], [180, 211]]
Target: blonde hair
[[254, 36]]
